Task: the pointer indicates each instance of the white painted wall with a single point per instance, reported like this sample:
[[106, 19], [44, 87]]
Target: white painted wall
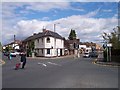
[[51, 44], [16, 46], [39, 44], [44, 45]]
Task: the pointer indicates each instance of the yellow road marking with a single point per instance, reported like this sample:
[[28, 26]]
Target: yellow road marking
[[94, 62]]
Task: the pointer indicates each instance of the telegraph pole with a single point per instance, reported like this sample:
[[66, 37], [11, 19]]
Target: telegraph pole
[[55, 38], [14, 43]]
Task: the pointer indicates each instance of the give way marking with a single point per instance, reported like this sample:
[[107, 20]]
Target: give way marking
[[53, 63], [42, 64]]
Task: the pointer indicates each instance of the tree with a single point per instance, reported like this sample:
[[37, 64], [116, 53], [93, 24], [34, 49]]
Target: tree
[[72, 35], [113, 37]]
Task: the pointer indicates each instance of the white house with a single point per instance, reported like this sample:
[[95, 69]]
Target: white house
[[47, 43], [13, 45]]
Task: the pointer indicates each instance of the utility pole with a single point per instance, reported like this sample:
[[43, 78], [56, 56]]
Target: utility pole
[[14, 43], [55, 38]]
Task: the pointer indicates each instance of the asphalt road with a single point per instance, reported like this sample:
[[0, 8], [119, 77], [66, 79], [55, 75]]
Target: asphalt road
[[58, 73]]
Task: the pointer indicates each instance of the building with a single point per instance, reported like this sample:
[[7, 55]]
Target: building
[[13, 45], [71, 46], [46, 43]]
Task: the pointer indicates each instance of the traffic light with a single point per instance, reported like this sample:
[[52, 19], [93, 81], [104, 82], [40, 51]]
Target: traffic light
[[74, 45]]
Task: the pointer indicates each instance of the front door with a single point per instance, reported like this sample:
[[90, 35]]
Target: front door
[[60, 52]]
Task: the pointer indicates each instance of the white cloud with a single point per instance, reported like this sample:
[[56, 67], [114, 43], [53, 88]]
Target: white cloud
[[93, 13], [28, 27], [45, 6], [87, 29], [109, 10]]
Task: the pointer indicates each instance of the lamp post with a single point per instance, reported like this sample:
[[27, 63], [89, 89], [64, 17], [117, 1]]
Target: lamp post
[[14, 43], [55, 38]]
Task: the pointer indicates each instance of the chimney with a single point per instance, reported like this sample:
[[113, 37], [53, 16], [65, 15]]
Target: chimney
[[34, 33], [44, 29]]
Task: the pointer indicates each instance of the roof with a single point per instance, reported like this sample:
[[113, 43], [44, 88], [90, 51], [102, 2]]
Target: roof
[[16, 42], [73, 41], [44, 34]]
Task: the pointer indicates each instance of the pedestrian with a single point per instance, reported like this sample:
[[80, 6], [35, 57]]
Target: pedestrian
[[23, 60], [9, 56]]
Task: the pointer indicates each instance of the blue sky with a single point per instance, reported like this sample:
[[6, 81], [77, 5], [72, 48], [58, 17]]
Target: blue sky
[[89, 19], [106, 10]]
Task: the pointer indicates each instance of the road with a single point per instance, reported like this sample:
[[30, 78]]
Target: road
[[58, 73]]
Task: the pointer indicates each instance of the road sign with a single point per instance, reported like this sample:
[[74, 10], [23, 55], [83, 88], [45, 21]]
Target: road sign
[[109, 45]]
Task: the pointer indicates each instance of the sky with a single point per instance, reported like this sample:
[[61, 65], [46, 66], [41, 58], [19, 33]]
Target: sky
[[88, 19]]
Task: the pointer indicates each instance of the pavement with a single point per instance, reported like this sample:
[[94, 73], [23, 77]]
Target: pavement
[[100, 61]]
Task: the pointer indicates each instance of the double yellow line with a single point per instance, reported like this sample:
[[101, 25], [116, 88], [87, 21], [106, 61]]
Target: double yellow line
[[95, 62]]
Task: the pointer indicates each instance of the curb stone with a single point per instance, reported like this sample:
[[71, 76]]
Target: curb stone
[[105, 64]]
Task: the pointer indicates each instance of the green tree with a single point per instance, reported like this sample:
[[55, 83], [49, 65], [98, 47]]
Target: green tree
[[113, 37], [31, 47], [72, 35]]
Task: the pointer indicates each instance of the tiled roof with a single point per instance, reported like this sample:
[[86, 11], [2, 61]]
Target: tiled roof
[[44, 34]]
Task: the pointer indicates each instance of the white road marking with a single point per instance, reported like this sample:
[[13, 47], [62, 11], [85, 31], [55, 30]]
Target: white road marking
[[42, 64], [53, 63]]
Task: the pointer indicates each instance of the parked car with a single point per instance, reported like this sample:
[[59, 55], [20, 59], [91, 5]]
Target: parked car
[[6, 53], [93, 54], [14, 54], [86, 54]]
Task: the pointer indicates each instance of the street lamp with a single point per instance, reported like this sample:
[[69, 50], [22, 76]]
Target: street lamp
[[55, 38], [14, 43], [55, 26]]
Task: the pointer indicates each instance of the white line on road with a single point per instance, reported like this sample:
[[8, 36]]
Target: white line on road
[[53, 63], [42, 64]]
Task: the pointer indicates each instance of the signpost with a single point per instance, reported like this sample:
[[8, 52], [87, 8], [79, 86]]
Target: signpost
[[109, 45]]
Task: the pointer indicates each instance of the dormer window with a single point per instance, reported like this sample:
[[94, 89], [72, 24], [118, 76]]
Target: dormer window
[[48, 40]]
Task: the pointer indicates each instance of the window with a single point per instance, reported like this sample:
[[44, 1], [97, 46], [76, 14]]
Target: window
[[42, 51], [48, 40], [48, 51], [42, 40], [38, 40]]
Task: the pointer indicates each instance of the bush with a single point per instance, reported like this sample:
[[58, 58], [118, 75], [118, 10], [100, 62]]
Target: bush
[[115, 55], [115, 52]]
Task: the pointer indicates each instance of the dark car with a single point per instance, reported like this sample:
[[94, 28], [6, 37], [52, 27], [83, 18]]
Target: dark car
[[93, 54], [6, 53]]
